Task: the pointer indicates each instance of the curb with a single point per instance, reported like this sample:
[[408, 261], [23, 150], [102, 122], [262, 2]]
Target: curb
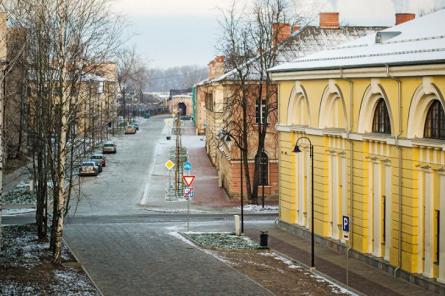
[[316, 272], [208, 252], [99, 292]]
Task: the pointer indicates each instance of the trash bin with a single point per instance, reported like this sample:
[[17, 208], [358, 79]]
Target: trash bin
[[263, 239], [168, 138]]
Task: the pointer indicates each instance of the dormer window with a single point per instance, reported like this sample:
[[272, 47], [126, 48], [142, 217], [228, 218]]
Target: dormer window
[[435, 122]]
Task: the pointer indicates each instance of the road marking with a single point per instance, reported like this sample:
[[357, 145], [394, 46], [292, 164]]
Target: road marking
[[144, 199]]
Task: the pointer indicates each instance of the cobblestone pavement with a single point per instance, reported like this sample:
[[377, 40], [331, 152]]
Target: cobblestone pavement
[[126, 248], [143, 259]]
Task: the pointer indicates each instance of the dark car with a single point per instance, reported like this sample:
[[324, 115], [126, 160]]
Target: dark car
[[98, 162], [136, 126], [109, 147], [101, 157], [89, 168]]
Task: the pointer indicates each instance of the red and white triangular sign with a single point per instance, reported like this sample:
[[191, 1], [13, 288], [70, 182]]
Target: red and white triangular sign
[[188, 180]]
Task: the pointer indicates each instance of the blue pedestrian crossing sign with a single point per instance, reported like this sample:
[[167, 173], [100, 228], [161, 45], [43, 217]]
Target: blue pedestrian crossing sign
[[187, 166], [345, 223]]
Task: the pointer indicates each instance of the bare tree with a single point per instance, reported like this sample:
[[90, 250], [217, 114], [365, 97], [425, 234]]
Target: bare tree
[[67, 39], [126, 63], [252, 44]]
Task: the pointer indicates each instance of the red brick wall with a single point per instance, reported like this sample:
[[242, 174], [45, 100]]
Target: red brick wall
[[232, 183], [329, 20]]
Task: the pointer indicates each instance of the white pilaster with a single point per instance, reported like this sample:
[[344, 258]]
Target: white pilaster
[[429, 225], [388, 210], [335, 199], [377, 211], [442, 229], [420, 233], [300, 188]]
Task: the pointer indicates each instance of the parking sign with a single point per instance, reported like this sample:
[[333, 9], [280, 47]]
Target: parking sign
[[345, 223], [345, 227]]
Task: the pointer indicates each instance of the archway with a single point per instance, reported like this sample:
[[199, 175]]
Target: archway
[[182, 108]]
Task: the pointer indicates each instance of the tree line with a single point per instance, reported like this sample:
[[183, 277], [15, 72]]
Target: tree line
[[69, 55]]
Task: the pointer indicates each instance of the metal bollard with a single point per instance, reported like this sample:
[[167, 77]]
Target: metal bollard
[[264, 237]]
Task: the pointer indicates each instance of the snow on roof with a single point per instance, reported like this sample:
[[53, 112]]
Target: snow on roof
[[415, 42], [306, 41]]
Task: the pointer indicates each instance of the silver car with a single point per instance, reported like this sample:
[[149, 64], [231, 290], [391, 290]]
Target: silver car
[[89, 168], [109, 147]]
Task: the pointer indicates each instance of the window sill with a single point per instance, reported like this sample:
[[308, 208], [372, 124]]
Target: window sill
[[431, 143], [377, 137]]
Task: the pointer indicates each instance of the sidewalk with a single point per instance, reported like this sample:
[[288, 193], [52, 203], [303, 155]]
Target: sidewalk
[[362, 277], [207, 191]]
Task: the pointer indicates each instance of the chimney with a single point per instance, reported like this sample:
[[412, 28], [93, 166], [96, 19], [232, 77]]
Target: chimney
[[280, 32], [216, 67], [404, 17], [329, 20]]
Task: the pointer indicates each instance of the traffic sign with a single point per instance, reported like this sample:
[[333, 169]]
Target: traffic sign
[[169, 164], [346, 223], [187, 166], [188, 180], [188, 193], [345, 227]]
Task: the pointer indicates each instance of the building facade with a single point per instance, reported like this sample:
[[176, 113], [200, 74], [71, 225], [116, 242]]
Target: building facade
[[213, 95], [374, 111], [182, 104]]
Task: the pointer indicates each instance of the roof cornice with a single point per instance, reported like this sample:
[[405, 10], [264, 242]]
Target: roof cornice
[[365, 72]]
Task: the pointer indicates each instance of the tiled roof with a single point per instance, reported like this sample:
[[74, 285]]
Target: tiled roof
[[418, 41]]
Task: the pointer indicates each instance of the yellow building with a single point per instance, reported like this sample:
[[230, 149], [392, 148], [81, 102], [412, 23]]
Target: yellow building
[[374, 111]]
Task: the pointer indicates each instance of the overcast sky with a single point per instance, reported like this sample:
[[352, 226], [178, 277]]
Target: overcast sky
[[182, 32]]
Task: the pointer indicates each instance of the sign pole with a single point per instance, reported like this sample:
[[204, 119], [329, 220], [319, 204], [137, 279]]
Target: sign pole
[[188, 168], [345, 228], [188, 213]]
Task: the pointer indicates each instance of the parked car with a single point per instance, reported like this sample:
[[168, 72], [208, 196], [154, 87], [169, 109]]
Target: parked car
[[130, 130], [98, 162], [109, 147], [136, 126], [101, 157], [89, 168]]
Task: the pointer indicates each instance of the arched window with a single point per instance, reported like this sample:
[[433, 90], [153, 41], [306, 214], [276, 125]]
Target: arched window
[[381, 123], [435, 122], [263, 161]]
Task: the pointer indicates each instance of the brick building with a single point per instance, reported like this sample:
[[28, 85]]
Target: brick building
[[213, 94]]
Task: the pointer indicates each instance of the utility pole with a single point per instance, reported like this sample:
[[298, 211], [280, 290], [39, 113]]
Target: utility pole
[[179, 169], [2, 98]]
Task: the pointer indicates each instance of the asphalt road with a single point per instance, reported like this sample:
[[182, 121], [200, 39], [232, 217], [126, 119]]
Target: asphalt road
[[128, 251]]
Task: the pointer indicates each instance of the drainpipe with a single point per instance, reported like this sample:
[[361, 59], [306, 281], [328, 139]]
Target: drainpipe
[[400, 181], [351, 160]]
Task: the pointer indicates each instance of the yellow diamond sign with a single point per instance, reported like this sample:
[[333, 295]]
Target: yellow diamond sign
[[169, 164]]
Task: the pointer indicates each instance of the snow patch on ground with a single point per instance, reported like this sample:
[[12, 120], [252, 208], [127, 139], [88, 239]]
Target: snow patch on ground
[[174, 211], [259, 209], [286, 261], [208, 252], [191, 142], [337, 289], [15, 212]]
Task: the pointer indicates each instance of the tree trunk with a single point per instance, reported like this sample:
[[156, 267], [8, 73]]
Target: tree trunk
[[60, 173]]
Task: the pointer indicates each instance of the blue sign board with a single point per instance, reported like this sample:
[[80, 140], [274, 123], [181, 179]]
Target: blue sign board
[[187, 166], [345, 223]]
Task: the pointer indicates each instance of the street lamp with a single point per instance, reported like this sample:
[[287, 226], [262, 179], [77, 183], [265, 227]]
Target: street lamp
[[227, 136], [311, 154]]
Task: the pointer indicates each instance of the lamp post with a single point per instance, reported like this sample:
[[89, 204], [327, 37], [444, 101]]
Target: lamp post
[[227, 136], [311, 154]]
